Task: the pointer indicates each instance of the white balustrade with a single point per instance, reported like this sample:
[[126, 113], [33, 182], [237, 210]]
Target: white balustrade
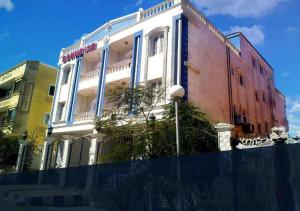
[[84, 116], [90, 75], [72, 48], [119, 66], [157, 9]]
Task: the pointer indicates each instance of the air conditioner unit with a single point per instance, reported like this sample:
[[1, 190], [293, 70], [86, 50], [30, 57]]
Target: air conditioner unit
[[238, 120]]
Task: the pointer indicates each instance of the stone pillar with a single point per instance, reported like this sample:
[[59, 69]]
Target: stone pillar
[[21, 156], [45, 154], [66, 153], [224, 135], [96, 139]]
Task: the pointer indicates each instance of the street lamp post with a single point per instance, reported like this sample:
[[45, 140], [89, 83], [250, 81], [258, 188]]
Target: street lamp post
[[176, 93]]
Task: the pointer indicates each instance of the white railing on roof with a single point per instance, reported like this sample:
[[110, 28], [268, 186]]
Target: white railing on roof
[[72, 48], [157, 9], [122, 65], [85, 116], [90, 75]]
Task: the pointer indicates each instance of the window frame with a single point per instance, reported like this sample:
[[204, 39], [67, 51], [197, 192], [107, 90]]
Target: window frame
[[241, 80], [66, 75], [49, 89], [60, 114], [49, 118]]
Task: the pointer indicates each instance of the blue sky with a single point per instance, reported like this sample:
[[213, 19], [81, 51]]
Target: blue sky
[[35, 29]]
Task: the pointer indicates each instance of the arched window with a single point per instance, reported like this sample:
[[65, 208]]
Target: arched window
[[156, 42]]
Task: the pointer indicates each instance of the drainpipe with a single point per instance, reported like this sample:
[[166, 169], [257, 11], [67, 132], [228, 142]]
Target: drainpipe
[[229, 84]]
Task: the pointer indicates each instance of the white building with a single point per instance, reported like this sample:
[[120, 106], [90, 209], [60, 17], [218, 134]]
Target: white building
[[160, 45]]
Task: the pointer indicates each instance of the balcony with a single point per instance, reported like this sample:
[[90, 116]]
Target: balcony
[[89, 80], [85, 116], [10, 101], [119, 70], [7, 79]]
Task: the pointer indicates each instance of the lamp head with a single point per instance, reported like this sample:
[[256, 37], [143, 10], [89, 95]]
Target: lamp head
[[176, 91]]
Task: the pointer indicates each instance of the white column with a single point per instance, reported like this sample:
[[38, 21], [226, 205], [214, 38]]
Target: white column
[[57, 94], [66, 152], [93, 152], [95, 141], [21, 156], [45, 155], [224, 136]]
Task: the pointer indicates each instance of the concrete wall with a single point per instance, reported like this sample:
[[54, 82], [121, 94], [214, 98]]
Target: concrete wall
[[207, 73], [41, 102]]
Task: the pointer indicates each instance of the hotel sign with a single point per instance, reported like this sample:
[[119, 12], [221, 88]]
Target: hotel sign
[[79, 53]]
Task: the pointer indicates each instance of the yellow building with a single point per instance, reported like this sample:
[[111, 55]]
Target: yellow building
[[26, 94]]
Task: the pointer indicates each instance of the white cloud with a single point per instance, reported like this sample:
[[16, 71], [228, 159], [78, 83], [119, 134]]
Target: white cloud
[[6, 4], [237, 8], [291, 29], [295, 107], [285, 74], [254, 34], [138, 3], [4, 34], [293, 114]]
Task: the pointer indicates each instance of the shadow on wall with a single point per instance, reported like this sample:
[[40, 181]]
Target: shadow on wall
[[265, 178]]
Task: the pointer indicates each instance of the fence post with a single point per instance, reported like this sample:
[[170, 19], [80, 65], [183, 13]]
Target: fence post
[[224, 135]]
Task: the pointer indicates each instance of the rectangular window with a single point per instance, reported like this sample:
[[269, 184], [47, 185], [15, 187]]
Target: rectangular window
[[47, 118], [66, 76], [154, 92], [61, 111], [17, 86], [51, 90], [261, 70], [161, 44], [241, 80], [155, 46], [264, 97], [11, 115], [253, 62], [256, 96]]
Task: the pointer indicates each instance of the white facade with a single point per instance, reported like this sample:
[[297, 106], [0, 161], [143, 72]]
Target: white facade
[[170, 43], [133, 49]]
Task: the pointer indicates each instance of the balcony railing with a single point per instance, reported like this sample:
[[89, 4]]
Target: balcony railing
[[90, 75], [119, 66], [86, 116], [10, 101]]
